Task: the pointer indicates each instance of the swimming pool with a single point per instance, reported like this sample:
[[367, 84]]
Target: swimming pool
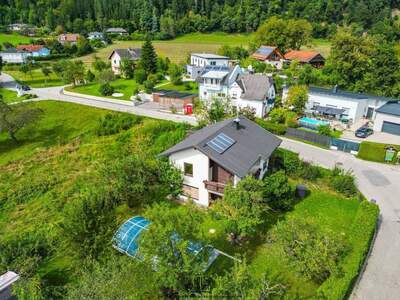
[[314, 123]]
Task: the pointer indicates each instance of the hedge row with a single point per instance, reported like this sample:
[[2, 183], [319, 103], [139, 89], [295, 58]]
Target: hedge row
[[278, 129], [339, 286]]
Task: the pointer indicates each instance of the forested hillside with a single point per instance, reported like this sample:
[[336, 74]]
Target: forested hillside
[[181, 16]]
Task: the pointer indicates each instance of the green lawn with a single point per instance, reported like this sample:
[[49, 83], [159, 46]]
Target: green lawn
[[323, 46], [10, 96], [189, 87], [374, 151], [124, 86], [36, 79], [14, 39]]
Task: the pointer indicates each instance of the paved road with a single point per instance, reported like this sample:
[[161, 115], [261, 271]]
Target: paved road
[[55, 93], [381, 279]]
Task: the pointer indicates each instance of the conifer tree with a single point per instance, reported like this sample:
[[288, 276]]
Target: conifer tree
[[148, 58]]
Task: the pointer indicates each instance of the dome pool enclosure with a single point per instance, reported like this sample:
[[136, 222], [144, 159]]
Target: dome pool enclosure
[[127, 236]]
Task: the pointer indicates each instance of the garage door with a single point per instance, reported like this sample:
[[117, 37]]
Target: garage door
[[391, 128]]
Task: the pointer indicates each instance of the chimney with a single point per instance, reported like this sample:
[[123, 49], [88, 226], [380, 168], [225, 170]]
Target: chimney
[[335, 89], [237, 122]]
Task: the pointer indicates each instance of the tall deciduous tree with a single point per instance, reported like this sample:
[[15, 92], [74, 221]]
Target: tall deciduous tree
[[297, 98]]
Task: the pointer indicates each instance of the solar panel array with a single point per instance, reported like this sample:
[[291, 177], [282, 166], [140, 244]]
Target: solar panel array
[[221, 143], [265, 50]]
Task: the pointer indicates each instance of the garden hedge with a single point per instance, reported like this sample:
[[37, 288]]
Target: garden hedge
[[339, 286], [278, 129]]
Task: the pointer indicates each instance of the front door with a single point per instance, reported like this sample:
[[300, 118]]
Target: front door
[[370, 112]]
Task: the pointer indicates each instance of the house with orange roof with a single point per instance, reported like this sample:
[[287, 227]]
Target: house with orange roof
[[311, 57], [269, 55], [35, 50]]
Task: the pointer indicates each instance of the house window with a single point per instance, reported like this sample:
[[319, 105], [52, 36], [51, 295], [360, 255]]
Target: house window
[[188, 169], [213, 63]]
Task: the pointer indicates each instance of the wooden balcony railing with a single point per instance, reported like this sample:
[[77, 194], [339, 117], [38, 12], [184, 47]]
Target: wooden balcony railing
[[215, 187]]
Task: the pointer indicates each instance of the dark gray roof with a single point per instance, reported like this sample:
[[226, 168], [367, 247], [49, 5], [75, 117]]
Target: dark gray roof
[[254, 86], [345, 94], [390, 108], [130, 53], [251, 143], [265, 50]]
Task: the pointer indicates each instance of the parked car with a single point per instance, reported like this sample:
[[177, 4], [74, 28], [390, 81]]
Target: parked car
[[364, 132], [26, 88]]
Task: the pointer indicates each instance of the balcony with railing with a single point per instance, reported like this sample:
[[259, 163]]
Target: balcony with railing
[[214, 187]]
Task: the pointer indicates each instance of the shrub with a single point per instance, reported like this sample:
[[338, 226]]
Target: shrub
[[148, 86], [313, 252], [278, 129], [339, 286], [324, 130], [106, 89], [292, 163], [278, 115], [140, 76], [106, 76], [343, 182], [113, 123], [309, 171], [277, 192]]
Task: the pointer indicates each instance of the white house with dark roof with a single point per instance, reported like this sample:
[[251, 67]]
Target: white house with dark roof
[[198, 62], [220, 154], [117, 55], [387, 118], [338, 104], [95, 35], [256, 91], [15, 56]]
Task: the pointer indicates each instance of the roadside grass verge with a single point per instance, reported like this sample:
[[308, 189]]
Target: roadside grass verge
[[36, 79], [9, 96], [374, 151], [186, 87]]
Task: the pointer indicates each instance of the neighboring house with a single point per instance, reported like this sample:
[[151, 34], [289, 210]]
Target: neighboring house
[[269, 55], [305, 57], [198, 62], [334, 103], [12, 55], [168, 99], [68, 38], [18, 27], [95, 36], [219, 154], [243, 90], [35, 50], [117, 31], [117, 55], [387, 118]]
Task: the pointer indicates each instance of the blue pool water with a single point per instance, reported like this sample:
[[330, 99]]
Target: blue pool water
[[312, 122]]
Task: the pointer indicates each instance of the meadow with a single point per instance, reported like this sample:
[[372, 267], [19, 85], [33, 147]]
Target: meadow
[[35, 78], [14, 39], [58, 159], [177, 50]]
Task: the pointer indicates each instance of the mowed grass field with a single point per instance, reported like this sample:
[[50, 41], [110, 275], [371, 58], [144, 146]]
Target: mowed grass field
[[323, 46], [36, 78], [178, 49], [14, 39]]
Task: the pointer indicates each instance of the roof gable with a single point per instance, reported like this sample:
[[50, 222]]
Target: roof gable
[[390, 108], [251, 142], [265, 52], [304, 55]]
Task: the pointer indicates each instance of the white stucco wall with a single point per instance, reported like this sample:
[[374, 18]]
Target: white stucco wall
[[380, 118], [200, 164], [259, 106], [202, 62], [115, 63]]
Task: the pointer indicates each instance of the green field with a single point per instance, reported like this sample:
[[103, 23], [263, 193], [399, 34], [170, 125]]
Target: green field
[[189, 87], [35, 78], [178, 49], [14, 39], [124, 86]]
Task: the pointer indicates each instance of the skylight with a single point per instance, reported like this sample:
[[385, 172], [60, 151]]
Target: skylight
[[221, 143]]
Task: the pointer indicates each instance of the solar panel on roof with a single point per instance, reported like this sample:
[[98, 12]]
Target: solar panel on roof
[[221, 143]]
